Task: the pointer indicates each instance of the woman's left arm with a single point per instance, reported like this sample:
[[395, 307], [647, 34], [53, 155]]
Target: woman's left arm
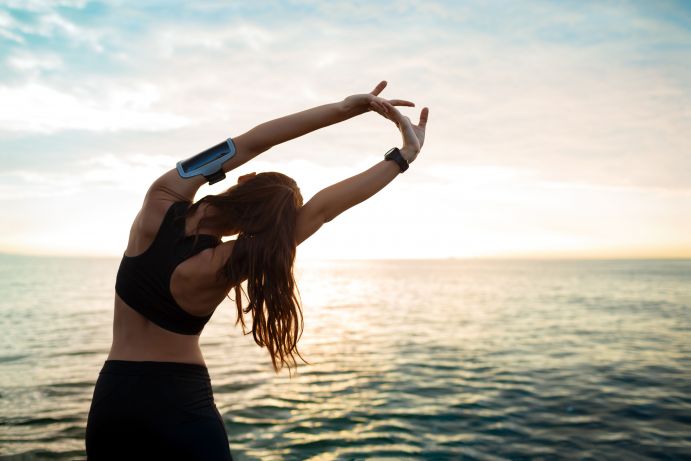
[[171, 186], [263, 137]]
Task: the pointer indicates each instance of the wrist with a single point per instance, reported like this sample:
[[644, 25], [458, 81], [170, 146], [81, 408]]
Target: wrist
[[350, 108], [408, 153], [395, 156]]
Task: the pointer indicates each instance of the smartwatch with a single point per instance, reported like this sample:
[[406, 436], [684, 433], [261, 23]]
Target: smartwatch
[[395, 155]]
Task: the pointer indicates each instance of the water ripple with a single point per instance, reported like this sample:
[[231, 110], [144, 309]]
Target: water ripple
[[467, 360]]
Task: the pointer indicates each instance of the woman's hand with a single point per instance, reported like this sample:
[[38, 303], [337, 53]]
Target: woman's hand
[[361, 103], [413, 135]]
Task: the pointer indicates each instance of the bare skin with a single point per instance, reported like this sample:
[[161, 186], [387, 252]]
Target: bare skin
[[193, 284], [138, 339]]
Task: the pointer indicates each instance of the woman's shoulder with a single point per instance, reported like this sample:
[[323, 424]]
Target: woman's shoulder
[[154, 211], [171, 186], [148, 222]]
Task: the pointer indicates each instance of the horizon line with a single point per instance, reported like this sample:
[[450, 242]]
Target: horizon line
[[447, 258]]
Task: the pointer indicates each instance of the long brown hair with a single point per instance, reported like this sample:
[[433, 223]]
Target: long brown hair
[[262, 210]]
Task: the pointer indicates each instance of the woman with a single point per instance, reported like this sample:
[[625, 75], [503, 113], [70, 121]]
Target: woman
[[153, 397]]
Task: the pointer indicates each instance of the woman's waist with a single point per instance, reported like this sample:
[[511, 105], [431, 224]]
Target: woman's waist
[[143, 349], [194, 371]]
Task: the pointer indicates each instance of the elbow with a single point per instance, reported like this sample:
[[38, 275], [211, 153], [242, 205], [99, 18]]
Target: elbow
[[333, 210], [326, 216], [329, 215]]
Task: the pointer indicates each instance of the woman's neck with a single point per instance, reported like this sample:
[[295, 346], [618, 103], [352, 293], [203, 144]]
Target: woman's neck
[[205, 211]]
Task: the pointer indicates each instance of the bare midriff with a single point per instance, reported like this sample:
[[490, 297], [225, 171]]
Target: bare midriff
[[135, 338]]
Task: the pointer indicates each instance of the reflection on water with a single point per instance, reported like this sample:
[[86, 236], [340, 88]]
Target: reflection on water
[[409, 360]]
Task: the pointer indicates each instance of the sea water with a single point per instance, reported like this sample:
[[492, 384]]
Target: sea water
[[443, 359]]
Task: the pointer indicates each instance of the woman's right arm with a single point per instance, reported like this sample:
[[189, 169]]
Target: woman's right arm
[[335, 199]]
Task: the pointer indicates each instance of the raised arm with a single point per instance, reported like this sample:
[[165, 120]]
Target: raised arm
[[268, 134], [335, 199], [171, 186]]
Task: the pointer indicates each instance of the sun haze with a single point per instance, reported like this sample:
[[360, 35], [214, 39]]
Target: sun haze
[[557, 129]]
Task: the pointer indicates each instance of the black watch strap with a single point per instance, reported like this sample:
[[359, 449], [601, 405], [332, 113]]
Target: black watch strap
[[395, 155], [215, 177]]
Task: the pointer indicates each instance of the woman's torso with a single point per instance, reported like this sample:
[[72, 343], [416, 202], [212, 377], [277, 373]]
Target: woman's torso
[[193, 285]]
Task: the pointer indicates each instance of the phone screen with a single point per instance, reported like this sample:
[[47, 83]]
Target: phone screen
[[205, 157]]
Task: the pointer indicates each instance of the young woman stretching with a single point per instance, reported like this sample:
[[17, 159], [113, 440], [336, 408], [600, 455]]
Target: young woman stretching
[[153, 397]]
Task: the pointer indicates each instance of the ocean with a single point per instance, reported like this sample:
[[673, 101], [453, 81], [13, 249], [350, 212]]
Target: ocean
[[437, 359]]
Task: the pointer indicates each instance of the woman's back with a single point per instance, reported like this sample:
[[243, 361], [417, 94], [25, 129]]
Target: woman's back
[[163, 322]]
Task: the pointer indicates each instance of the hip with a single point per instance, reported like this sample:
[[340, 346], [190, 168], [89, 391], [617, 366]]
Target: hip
[[153, 385], [154, 403]]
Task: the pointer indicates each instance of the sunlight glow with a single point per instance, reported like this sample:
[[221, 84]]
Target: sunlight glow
[[549, 134]]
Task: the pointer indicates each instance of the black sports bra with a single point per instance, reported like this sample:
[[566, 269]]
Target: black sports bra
[[143, 281]]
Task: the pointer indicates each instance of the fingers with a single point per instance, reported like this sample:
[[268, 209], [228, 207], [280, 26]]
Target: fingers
[[378, 89], [385, 112], [391, 110], [396, 102], [388, 110], [379, 107], [423, 117], [401, 102]]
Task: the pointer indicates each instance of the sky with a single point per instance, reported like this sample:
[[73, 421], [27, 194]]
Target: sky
[[556, 129]]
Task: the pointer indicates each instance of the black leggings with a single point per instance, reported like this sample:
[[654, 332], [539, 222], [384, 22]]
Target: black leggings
[[155, 410]]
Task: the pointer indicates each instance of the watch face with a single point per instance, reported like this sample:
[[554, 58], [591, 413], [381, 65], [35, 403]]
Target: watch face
[[392, 150]]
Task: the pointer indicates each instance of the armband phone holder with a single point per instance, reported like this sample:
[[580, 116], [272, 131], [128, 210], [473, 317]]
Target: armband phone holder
[[208, 163]]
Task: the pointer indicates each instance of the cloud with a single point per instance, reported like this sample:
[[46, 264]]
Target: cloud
[[532, 106], [39, 108], [132, 173], [244, 35], [34, 63], [7, 22], [44, 5], [43, 20]]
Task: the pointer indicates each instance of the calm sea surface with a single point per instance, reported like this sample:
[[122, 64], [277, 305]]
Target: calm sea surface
[[453, 359]]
